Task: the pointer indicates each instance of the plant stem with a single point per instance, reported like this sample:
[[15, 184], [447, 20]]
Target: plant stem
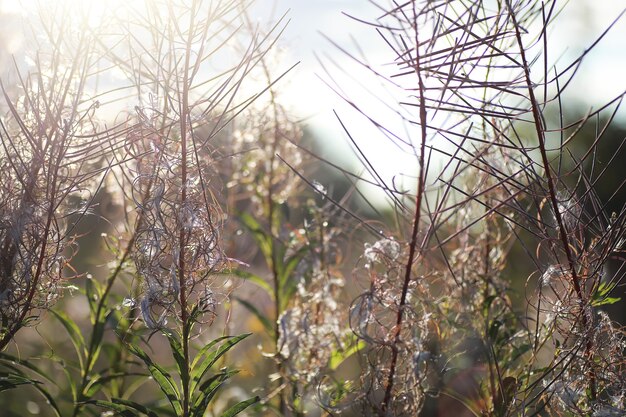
[[185, 123], [553, 196], [384, 410], [91, 357]]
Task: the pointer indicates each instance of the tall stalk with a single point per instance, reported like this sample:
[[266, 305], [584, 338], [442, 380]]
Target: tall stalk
[[47, 163], [413, 244]]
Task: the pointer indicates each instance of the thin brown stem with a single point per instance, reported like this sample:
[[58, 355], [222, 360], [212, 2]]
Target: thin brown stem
[[552, 195], [413, 249], [185, 121]]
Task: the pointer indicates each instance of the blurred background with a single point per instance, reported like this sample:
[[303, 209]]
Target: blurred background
[[324, 36]]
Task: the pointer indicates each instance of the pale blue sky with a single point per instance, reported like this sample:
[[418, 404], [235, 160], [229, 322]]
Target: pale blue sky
[[601, 77], [581, 22]]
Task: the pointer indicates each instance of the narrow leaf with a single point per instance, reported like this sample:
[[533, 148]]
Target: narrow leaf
[[239, 407], [75, 335], [249, 276], [124, 407], [265, 321], [209, 359], [177, 353], [208, 390], [162, 377], [263, 239], [339, 356]]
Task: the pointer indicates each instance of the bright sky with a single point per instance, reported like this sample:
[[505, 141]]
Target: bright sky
[[601, 77], [582, 22]]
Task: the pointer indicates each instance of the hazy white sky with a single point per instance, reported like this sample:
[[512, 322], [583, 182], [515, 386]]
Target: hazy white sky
[[600, 79], [582, 22]]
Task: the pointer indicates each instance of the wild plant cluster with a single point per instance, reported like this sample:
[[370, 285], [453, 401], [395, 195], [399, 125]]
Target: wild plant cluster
[[173, 111]]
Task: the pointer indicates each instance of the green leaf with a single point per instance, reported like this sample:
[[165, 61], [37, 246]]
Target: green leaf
[[49, 399], [249, 276], [10, 360], [487, 304], [205, 358], [10, 380], [162, 377], [287, 293], [89, 293], [288, 283], [339, 356], [267, 323], [606, 301], [194, 314], [75, 335], [262, 238], [126, 408], [98, 381], [239, 407], [601, 296], [279, 251], [292, 263], [177, 353], [97, 335], [494, 329], [204, 351], [92, 292], [207, 391]]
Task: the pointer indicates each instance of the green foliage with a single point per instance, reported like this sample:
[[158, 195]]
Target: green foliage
[[15, 373], [401, 311], [601, 296], [197, 377]]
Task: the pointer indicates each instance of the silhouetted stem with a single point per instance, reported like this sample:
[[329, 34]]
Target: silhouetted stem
[[552, 195], [396, 331]]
